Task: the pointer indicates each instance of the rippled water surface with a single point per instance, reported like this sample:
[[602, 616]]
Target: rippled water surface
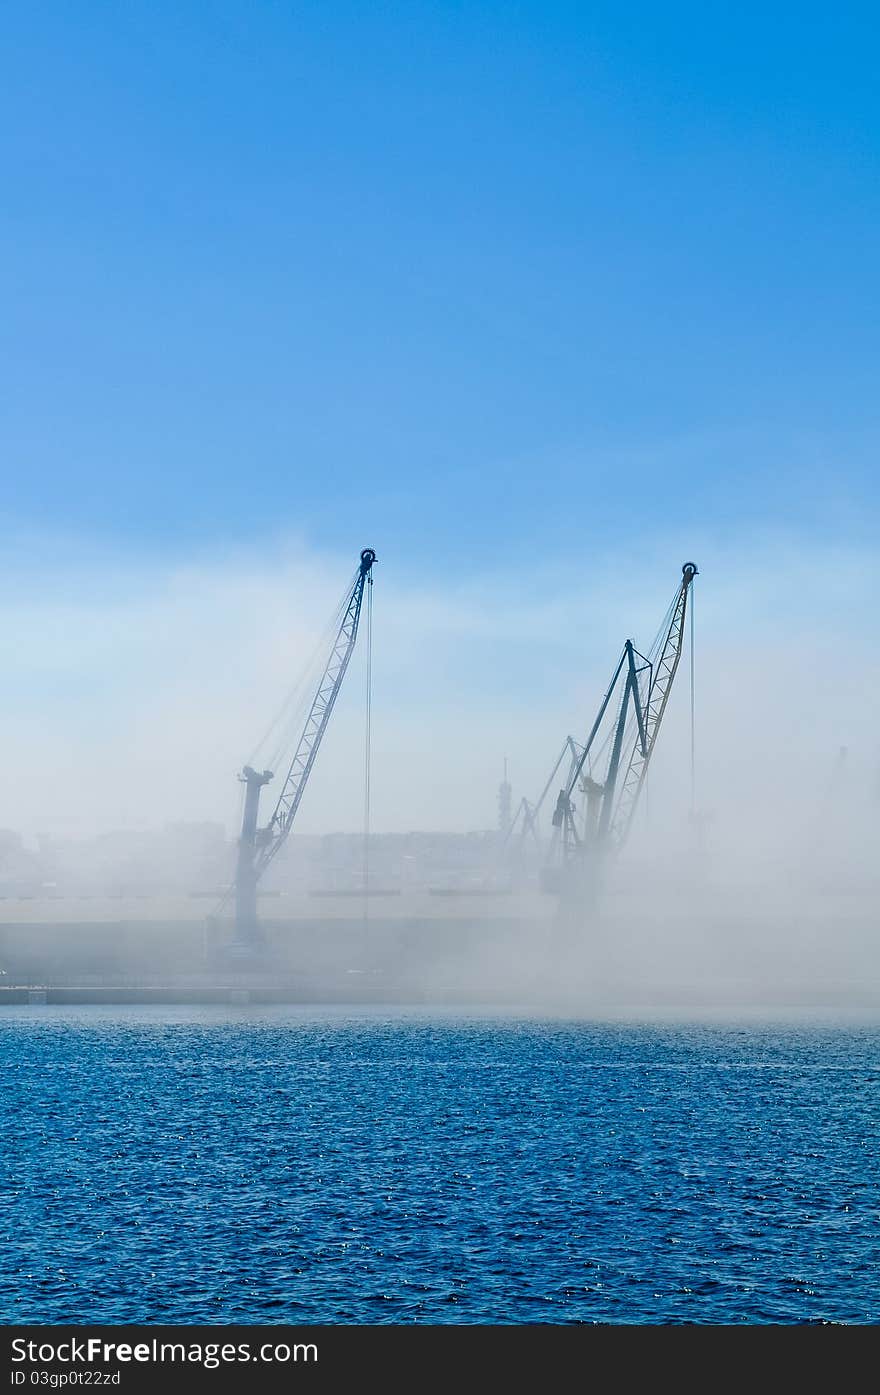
[[230, 1165]]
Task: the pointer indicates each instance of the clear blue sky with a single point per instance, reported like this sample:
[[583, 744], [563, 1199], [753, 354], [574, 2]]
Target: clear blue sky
[[450, 279]]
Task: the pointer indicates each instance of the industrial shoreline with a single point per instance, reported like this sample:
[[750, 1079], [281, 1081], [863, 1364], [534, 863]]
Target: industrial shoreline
[[839, 1005], [426, 951]]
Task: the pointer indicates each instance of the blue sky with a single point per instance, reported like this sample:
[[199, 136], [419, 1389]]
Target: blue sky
[[536, 299], [463, 281]]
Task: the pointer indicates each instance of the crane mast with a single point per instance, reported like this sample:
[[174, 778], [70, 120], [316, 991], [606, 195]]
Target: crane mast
[[258, 846], [575, 847]]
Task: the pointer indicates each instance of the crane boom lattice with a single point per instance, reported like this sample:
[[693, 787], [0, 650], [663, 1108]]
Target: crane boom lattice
[[316, 721]]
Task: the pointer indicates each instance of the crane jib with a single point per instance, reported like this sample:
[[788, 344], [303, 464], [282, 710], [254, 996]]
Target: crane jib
[[318, 717]]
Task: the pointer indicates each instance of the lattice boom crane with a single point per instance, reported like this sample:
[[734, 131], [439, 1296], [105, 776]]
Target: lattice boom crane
[[258, 846], [612, 802]]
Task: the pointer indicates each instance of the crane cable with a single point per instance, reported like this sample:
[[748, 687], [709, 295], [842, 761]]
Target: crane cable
[[693, 726], [290, 714], [368, 741]]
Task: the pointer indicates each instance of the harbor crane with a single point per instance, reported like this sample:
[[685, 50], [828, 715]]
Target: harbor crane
[[625, 752], [258, 846]]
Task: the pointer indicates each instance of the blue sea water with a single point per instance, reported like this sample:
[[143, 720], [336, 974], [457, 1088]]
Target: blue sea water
[[303, 1166]]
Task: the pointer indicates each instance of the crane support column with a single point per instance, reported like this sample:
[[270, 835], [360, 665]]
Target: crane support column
[[630, 690], [245, 873]]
